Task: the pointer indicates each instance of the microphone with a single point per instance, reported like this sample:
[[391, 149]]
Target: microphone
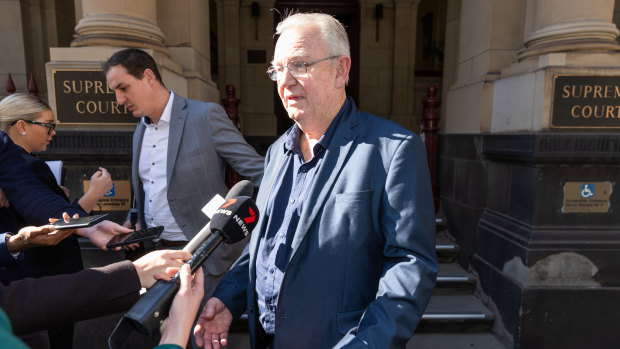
[[231, 223], [242, 188]]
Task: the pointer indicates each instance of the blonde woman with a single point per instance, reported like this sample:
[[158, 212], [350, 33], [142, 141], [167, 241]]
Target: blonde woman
[[29, 122]]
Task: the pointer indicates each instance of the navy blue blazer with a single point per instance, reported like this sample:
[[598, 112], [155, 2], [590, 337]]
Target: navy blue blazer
[[35, 202], [363, 264]]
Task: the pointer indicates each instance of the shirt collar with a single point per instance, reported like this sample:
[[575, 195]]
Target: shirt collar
[[165, 116]]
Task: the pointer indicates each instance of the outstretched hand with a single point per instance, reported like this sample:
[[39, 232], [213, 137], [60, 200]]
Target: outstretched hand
[[99, 234], [29, 237], [211, 330], [159, 265]]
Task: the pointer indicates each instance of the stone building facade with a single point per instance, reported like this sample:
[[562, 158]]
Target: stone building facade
[[509, 160]]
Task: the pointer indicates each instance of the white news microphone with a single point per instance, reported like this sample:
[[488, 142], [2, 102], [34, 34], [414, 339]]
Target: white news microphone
[[242, 188]]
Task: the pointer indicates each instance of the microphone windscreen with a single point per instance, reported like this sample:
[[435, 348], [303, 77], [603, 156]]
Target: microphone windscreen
[[241, 188], [235, 219]]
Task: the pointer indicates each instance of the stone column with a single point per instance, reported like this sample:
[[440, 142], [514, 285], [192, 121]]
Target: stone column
[[119, 23], [229, 39], [405, 25], [570, 25]]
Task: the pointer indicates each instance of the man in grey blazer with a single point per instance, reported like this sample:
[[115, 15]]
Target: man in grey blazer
[[180, 151], [343, 253]]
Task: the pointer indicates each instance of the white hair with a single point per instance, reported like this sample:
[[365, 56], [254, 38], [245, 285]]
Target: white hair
[[333, 34]]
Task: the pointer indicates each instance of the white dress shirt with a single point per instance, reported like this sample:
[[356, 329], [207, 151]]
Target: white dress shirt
[[152, 169]]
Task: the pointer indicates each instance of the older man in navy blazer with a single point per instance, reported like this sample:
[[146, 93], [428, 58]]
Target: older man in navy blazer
[[343, 254]]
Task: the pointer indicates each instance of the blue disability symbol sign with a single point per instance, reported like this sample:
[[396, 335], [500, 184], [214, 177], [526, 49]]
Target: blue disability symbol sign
[[111, 192], [587, 190]]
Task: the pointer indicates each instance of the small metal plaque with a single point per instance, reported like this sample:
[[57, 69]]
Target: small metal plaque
[[82, 96], [586, 197], [582, 102], [117, 199]]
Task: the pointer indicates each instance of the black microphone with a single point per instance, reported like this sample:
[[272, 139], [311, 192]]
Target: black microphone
[[231, 223], [242, 188]]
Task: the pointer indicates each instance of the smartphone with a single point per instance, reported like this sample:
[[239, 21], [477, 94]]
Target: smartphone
[[80, 222], [135, 236]]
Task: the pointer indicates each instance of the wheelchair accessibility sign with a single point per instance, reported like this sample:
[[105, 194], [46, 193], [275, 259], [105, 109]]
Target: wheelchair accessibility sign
[[582, 197], [587, 190]]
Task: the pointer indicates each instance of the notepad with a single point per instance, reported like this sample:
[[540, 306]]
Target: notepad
[[56, 167]]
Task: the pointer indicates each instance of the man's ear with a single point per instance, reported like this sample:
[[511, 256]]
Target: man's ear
[[150, 76], [342, 71]]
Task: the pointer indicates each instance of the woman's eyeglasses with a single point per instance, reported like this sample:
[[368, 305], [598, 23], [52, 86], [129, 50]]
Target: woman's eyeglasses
[[50, 127]]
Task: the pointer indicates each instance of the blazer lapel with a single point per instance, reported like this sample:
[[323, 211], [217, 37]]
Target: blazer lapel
[[269, 179], [178, 115], [335, 158], [137, 148]]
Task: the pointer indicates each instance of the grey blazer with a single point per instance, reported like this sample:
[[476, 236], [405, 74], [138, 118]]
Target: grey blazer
[[202, 140]]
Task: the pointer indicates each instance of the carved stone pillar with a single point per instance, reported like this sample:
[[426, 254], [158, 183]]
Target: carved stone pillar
[[570, 25], [119, 23]]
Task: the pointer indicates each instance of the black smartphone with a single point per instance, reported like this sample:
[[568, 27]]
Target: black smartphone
[[135, 236], [80, 222]]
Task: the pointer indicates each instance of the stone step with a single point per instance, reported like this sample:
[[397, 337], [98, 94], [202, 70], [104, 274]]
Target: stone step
[[453, 279], [445, 247], [455, 341], [456, 313]]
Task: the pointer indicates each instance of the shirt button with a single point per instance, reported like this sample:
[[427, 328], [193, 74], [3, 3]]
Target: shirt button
[[150, 200], [271, 271], [292, 201], [152, 182], [153, 164], [153, 145]]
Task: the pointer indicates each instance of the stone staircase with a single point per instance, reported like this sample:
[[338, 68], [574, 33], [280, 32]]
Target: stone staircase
[[455, 318]]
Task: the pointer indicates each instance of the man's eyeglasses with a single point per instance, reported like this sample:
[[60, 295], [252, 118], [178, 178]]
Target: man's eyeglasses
[[296, 68], [50, 127]]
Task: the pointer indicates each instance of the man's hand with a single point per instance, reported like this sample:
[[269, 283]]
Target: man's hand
[[99, 234], [29, 237], [211, 330], [159, 265], [184, 308], [4, 201]]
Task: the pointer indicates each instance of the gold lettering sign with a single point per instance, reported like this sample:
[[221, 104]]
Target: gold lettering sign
[[584, 197], [84, 97], [586, 102], [117, 199]]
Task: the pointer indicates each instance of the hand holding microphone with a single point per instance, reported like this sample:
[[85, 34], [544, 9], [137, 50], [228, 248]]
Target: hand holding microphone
[[231, 223]]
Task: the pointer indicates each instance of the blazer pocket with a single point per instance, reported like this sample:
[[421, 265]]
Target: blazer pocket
[[347, 321], [362, 196], [352, 213]]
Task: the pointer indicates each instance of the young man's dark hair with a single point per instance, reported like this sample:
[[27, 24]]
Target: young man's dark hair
[[135, 61]]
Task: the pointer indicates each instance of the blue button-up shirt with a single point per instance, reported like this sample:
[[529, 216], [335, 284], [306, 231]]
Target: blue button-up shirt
[[291, 188]]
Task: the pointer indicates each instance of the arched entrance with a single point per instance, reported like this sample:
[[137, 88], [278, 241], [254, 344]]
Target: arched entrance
[[348, 13]]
